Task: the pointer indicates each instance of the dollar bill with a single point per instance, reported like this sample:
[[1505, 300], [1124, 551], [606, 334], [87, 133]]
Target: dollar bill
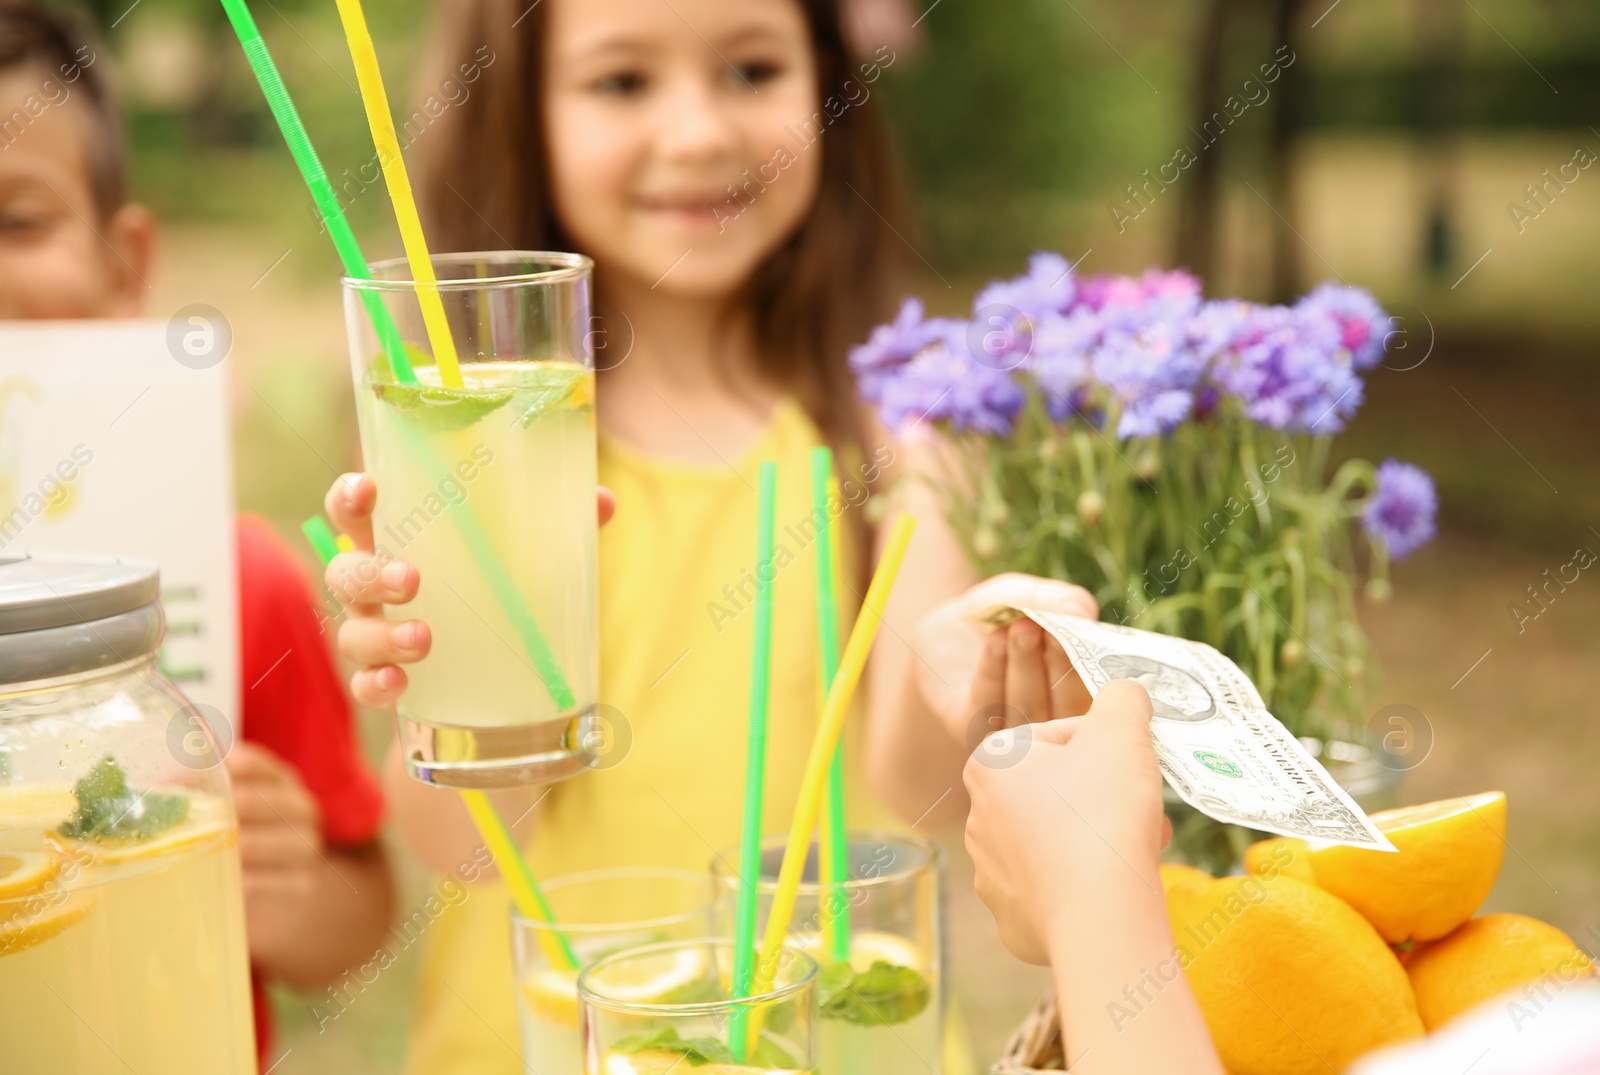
[[1219, 748]]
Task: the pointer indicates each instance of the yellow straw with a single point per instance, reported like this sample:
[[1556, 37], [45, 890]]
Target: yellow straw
[[812, 784], [387, 143], [514, 868]]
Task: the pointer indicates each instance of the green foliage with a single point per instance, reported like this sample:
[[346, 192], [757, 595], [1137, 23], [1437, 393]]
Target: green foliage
[[1226, 532]]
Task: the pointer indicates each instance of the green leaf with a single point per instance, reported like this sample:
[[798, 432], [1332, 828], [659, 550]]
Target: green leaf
[[697, 1051], [881, 996], [441, 410], [701, 1051], [544, 386], [109, 809]]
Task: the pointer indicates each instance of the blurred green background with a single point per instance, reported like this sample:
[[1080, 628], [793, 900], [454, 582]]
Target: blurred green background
[[1389, 152]]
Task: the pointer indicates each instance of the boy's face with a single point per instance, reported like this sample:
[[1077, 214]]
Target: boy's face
[[58, 257]]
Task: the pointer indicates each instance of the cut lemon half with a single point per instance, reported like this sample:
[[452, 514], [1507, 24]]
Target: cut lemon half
[[1449, 854], [20, 931], [648, 980], [552, 994], [23, 873]]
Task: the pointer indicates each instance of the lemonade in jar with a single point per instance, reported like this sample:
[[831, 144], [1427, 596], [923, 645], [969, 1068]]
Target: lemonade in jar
[[122, 943]]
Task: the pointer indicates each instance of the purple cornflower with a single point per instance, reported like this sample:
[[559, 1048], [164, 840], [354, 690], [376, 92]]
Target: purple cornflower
[[1048, 287], [943, 383], [1402, 509], [1361, 322], [893, 345], [1152, 374], [1289, 370], [1060, 361]]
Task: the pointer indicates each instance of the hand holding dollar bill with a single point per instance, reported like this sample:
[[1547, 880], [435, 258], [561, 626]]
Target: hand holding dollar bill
[[1217, 745]]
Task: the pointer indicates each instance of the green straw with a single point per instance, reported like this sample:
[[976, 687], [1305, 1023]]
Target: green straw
[[837, 868], [344, 240], [744, 926], [529, 896], [294, 133]]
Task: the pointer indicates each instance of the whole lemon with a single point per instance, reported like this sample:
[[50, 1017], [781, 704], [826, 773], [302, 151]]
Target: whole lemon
[[1290, 979], [1283, 853], [1449, 854], [1489, 956]]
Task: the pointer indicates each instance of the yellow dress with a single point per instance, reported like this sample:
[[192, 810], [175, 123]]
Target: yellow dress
[[676, 582]]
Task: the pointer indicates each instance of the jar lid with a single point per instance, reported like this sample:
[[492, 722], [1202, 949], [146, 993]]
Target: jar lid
[[60, 615]]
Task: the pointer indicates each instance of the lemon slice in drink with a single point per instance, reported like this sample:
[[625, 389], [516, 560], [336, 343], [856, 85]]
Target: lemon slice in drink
[[652, 979], [663, 1061], [30, 809], [209, 819], [868, 947], [552, 994], [25, 872], [20, 930]]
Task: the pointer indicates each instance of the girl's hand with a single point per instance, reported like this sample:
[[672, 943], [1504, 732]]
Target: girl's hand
[[1073, 816], [367, 579], [980, 678]]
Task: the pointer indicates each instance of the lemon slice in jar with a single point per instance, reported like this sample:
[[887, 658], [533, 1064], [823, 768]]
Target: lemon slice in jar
[[22, 873]]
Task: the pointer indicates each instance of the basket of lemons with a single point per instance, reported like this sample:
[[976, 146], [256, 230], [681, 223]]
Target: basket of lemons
[[1315, 957]]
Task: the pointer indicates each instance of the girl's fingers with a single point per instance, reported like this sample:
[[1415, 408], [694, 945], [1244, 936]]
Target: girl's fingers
[[988, 692], [349, 504], [378, 688], [368, 641], [607, 503], [1068, 697], [1027, 691], [363, 583]]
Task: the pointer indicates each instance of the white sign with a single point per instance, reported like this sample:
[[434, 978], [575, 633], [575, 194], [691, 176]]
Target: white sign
[[114, 439]]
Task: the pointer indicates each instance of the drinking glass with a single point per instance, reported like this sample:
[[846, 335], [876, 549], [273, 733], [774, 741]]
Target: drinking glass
[[881, 1008], [666, 1008], [599, 912], [489, 488]]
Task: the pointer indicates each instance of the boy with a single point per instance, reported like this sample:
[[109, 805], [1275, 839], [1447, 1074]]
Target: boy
[[317, 886]]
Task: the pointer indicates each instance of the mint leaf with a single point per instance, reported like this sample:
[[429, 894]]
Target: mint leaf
[[697, 1051], [109, 809], [881, 996], [542, 387], [441, 410]]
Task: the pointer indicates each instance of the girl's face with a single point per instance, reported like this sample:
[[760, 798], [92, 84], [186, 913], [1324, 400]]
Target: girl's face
[[677, 140]]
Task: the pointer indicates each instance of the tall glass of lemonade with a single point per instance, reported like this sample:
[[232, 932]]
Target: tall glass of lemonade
[[486, 482], [879, 992], [122, 944]]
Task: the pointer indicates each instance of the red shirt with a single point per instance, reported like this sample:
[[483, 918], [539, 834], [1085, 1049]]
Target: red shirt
[[294, 702]]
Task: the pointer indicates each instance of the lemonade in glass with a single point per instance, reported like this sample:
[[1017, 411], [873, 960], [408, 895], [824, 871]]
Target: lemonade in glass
[[881, 1009], [599, 912], [665, 1008], [489, 488]]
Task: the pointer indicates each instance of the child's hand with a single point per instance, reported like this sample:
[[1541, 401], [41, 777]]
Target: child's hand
[[364, 583], [280, 847], [1077, 819], [980, 678]]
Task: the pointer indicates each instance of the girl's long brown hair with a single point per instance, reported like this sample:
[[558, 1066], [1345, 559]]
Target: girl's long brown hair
[[483, 184]]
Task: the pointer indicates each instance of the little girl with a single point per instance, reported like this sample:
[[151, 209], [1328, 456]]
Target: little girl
[[724, 166]]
